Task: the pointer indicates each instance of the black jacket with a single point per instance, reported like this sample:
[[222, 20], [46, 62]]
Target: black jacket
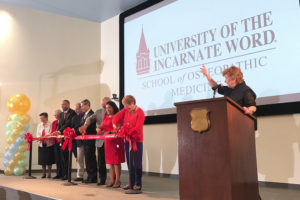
[[65, 122], [76, 123]]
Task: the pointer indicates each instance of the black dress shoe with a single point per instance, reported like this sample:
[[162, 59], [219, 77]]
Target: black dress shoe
[[101, 183], [44, 176], [89, 181], [64, 178], [56, 177], [78, 179]]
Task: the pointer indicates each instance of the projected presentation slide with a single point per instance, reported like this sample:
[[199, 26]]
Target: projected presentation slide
[[165, 46]]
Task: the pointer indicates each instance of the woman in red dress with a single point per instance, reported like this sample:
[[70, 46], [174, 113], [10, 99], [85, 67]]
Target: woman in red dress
[[114, 147]]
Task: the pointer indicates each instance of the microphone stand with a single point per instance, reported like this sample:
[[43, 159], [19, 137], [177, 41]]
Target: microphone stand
[[215, 90]]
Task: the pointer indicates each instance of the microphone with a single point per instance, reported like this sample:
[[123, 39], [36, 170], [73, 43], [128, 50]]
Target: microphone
[[215, 90]]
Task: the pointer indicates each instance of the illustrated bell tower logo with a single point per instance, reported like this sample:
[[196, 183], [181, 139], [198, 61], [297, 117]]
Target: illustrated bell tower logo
[[142, 57]]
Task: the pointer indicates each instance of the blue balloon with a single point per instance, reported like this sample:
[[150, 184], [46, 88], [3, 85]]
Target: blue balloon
[[13, 148], [8, 155], [20, 140], [5, 163], [23, 136]]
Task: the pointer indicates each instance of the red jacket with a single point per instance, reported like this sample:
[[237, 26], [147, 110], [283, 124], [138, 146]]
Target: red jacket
[[134, 121]]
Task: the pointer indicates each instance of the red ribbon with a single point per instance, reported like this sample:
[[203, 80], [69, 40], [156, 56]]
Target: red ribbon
[[95, 137], [130, 136], [124, 130], [69, 136], [53, 139], [29, 139]]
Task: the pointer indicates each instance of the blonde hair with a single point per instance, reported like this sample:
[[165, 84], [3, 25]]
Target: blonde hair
[[234, 72], [128, 99]]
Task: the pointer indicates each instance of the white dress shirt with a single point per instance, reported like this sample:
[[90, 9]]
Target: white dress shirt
[[39, 133]]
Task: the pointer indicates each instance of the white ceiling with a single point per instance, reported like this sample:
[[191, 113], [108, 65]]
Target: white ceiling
[[92, 10]]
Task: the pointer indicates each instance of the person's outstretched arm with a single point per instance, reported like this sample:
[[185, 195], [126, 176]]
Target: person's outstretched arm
[[211, 81]]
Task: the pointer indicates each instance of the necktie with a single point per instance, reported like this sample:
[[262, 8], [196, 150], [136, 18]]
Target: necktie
[[43, 134]]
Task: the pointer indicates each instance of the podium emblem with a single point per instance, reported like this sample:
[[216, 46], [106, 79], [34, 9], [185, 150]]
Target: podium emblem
[[200, 120]]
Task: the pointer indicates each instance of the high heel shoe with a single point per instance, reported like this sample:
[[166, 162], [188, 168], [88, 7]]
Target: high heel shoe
[[110, 185], [116, 185]]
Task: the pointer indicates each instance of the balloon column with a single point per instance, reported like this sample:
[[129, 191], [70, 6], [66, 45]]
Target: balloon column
[[15, 157]]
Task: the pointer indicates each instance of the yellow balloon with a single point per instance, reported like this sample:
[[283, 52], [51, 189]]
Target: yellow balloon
[[8, 171], [19, 155], [22, 123], [18, 129], [15, 133], [23, 147], [10, 140], [18, 104], [9, 117], [13, 138], [25, 119], [12, 163], [6, 147]]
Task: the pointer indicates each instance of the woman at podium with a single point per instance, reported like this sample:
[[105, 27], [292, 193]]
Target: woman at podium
[[236, 88]]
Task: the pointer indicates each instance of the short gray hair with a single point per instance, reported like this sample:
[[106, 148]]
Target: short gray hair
[[86, 102], [78, 104], [57, 112], [106, 98]]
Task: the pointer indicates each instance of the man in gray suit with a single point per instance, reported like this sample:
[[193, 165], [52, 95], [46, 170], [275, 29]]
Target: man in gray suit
[[89, 145], [98, 117]]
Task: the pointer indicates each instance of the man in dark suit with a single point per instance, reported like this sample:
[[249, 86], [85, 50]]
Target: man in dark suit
[[89, 145], [65, 120], [98, 117]]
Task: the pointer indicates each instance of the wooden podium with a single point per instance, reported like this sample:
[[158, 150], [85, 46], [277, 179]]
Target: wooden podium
[[220, 163]]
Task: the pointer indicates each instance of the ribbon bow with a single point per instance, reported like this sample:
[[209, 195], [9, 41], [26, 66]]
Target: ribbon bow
[[130, 136], [124, 130], [69, 137], [29, 139]]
